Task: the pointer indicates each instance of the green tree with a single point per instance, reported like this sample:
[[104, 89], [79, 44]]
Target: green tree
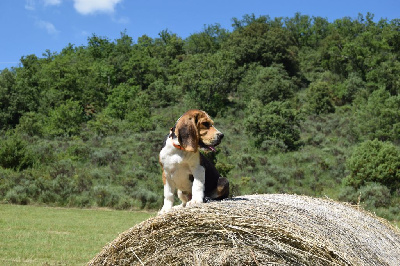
[[119, 101], [75, 75], [379, 116], [15, 153], [350, 88], [264, 41], [319, 98], [207, 41], [266, 84], [9, 114], [207, 81], [300, 26], [99, 47], [374, 161], [139, 113], [273, 123], [65, 120]]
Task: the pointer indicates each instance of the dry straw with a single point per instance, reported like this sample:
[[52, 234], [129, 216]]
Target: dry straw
[[258, 230]]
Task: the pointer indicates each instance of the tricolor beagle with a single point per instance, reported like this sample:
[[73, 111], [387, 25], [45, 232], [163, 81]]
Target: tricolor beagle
[[184, 168]]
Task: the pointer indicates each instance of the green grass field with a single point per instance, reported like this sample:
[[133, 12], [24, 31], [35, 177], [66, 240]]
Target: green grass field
[[31, 235]]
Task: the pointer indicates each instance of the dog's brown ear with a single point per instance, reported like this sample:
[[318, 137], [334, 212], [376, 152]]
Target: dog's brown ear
[[187, 132]]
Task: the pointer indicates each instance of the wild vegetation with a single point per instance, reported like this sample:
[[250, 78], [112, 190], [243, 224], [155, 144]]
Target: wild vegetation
[[307, 106]]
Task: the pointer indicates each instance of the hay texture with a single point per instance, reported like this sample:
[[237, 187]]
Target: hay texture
[[258, 230]]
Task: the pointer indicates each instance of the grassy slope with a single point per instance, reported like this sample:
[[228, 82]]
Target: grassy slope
[[40, 235]]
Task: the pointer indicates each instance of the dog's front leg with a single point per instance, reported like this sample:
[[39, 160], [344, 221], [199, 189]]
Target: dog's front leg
[[198, 185], [169, 189]]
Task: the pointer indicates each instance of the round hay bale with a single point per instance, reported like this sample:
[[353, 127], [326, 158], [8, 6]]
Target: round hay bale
[[258, 230]]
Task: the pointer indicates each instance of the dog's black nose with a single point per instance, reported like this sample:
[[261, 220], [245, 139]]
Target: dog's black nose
[[220, 136]]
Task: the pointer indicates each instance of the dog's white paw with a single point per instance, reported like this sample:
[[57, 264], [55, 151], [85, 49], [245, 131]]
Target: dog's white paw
[[180, 206], [193, 202], [164, 210]]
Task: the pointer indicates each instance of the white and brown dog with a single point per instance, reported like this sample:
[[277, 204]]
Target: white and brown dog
[[184, 168]]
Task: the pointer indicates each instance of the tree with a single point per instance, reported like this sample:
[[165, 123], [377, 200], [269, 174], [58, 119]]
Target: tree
[[9, 114], [264, 41], [300, 26], [275, 123], [374, 161], [207, 80], [207, 41], [266, 84], [65, 120], [349, 89], [14, 152], [379, 116], [99, 47], [319, 98], [119, 101]]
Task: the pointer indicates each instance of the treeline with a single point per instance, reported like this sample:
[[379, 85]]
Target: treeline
[[307, 106]]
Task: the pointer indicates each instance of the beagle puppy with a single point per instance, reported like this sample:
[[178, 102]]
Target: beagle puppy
[[187, 170]]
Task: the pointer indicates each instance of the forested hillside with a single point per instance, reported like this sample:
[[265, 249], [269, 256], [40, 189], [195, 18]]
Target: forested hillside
[[307, 106]]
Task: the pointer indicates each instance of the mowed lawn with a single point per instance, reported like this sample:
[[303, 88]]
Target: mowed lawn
[[31, 235]]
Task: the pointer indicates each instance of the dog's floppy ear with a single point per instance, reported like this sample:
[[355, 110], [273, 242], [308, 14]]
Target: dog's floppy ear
[[187, 132]]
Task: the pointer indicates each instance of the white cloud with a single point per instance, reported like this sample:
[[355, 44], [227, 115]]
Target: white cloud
[[52, 2], [30, 5], [86, 7], [48, 26], [121, 20]]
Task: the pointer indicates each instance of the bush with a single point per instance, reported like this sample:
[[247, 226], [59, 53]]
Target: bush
[[371, 196], [103, 157], [106, 196], [374, 161], [17, 195], [267, 84], [102, 125], [379, 116], [15, 153], [139, 114], [374, 195], [31, 123], [119, 100], [319, 98], [274, 123], [65, 120], [349, 89]]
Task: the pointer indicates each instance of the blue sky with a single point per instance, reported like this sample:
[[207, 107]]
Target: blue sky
[[32, 26]]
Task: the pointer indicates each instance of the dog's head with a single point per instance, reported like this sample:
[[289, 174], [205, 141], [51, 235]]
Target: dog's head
[[195, 130]]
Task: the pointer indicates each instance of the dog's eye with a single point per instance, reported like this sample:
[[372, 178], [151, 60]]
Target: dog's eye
[[206, 124]]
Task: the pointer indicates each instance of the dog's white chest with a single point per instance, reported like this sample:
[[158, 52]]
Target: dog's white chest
[[177, 165]]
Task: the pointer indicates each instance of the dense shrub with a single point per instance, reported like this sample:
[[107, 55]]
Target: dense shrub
[[65, 120], [375, 195], [374, 161], [118, 102], [207, 80], [31, 123], [102, 125], [379, 116], [319, 98], [267, 84], [350, 88], [15, 153], [139, 114], [371, 195], [273, 124], [17, 195]]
